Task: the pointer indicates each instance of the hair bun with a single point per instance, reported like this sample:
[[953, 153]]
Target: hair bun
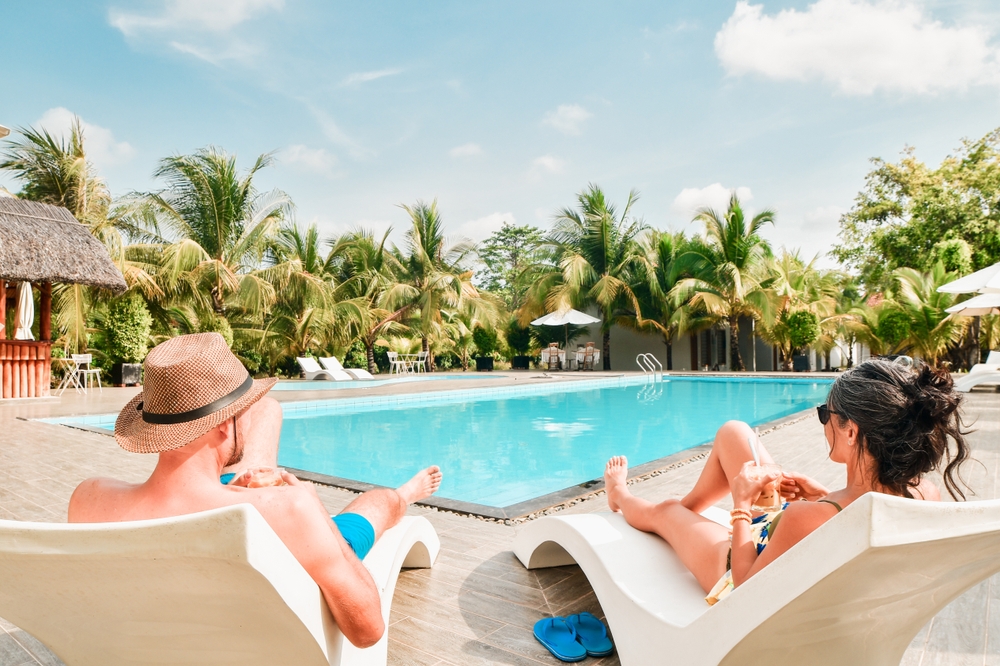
[[931, 396]]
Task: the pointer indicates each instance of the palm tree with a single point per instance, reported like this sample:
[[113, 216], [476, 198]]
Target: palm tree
[[56, 171], [932, 329], [662, 312], [433, 274], [218, 228], [599, 259], [733, 269]]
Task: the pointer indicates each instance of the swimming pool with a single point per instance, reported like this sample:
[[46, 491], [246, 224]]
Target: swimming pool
[[327, 385], [506, 445]]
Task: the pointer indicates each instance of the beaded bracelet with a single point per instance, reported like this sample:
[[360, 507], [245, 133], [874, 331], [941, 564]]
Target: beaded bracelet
[[735, 519], [739, 514]]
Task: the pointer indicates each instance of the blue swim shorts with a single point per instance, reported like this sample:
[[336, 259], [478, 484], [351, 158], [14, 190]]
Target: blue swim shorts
[[355, 528], [357, 532]]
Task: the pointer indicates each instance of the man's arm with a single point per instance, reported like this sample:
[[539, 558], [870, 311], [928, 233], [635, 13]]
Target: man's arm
[[298, 517]]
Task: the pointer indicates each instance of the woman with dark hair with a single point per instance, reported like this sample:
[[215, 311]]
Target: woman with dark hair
[[888, 423]]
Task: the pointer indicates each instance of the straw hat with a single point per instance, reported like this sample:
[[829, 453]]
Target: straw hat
[[192, 384]]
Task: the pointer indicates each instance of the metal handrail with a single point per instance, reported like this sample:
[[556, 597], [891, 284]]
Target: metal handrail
[[647, 362]]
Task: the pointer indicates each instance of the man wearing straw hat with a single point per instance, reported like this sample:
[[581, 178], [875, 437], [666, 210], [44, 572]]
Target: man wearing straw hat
[[200, 410]]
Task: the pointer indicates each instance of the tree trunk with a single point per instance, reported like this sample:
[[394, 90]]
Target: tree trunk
[[975, 354], [606, 350], [753, 344], [735, 361], [670, 351], [850, 353], [370, 350], [425, 346]]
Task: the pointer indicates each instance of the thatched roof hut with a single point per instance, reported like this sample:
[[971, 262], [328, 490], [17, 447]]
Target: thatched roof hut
[[43, 243]]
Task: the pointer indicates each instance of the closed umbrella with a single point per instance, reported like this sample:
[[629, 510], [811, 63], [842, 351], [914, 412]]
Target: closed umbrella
[[25, 313], [565, 318], [983, 304], [985, 281]]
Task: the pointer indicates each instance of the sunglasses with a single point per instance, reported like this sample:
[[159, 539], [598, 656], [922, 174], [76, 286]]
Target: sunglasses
[[823, 412]]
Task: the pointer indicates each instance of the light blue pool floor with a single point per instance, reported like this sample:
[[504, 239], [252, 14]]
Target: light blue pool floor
[[500, 452]]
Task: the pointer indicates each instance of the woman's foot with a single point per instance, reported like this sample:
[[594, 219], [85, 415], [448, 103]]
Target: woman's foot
[[424, 484], [615, 480]]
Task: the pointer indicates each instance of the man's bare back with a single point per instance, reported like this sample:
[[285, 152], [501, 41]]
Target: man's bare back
[[186, 480]]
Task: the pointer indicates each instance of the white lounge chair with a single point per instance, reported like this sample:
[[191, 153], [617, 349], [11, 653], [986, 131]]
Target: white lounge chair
[[312, 370], [855, 591], [332, 364], [217, 587], [981, 373]]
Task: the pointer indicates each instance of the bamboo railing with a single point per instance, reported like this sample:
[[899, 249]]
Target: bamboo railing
[[25, 368]]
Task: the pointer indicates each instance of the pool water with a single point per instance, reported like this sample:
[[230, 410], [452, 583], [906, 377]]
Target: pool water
[[326, 384], [499, 451]]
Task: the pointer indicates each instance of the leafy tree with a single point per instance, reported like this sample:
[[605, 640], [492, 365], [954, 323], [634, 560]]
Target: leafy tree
[[486, 340], [803, 329], [518, 338], [598, 258], [931, 329], [907, 208], [893, 328], [127, 327], [505, 255], [732, 270]]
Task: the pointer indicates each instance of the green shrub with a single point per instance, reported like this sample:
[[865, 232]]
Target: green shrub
[[356, 356], [485, 340], [126, 329], [518, 339], [803, 329], [893, 327], [955, 254]]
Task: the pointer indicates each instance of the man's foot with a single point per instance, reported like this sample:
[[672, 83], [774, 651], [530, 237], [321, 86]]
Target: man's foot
[[615, 478], [424, 484]]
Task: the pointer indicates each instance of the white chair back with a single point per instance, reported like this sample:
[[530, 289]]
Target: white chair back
[[82, 359], [309, 364], [993, 358]]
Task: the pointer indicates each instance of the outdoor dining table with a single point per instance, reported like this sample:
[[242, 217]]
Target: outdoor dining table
[[71, 376], [409, 361]]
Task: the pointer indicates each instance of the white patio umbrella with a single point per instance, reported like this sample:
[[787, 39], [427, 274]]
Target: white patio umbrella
[[985, 281], [25, 313], [983, 304], [565, 318]]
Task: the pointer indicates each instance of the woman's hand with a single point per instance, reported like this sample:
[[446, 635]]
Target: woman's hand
[[799, 486], [748, 484]]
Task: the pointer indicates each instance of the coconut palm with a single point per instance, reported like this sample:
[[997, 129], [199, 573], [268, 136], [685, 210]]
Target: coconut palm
[[56, 171], [661, 312], [733, 270], [932, 329], [598, 260], [433, 275], [218, 228]]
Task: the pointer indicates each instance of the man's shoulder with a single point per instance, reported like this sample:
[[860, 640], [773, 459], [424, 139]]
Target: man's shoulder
[[92, 497]]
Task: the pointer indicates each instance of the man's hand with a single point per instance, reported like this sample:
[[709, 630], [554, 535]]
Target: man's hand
[[799, 486]]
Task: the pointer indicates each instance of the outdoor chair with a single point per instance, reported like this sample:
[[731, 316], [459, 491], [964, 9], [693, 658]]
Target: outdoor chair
[[420, 365], [396, 365], [217, 587], [312, 370], [332, 364], [84, 372], [551, 357], [981, 373], [855, 591], [71, 375]]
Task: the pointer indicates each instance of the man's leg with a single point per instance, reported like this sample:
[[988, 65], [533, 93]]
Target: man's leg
[[383, 508]]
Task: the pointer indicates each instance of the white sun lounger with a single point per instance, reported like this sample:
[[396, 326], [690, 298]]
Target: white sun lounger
[[981, 373], [311, 369], [332, 364], [217, 587], [856, 591]]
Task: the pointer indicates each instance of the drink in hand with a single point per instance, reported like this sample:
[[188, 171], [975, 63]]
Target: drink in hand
[[770, 496], [264, 477]]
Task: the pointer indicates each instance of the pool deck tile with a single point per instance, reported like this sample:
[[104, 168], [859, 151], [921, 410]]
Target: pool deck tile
[[477, 605]]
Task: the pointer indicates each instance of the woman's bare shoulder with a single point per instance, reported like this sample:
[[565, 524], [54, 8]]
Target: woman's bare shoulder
[[801, 518]]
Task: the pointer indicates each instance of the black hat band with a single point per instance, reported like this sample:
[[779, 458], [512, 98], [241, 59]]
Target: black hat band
[[195, 414]]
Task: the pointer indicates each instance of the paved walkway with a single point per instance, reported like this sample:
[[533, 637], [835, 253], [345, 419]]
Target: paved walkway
[[477, 605]]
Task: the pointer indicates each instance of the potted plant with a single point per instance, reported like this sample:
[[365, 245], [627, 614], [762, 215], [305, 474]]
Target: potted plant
[[127, 333], [519, 343], [803, 330], [486, 344]]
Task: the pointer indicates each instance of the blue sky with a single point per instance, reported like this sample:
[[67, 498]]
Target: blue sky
[[503, 111]]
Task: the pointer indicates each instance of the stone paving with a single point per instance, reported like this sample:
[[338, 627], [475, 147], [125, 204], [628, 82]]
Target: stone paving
[[477, 604]]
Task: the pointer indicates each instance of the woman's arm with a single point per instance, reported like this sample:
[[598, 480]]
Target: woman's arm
[[745, 489], [799, 486]]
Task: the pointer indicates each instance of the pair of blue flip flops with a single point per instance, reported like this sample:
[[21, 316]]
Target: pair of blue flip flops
[[574, 638]]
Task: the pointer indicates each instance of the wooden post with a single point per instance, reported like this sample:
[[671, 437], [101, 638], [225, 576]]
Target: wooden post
[[29, 371], [694, 352], [3, 308], [45, 305], [5, 365]]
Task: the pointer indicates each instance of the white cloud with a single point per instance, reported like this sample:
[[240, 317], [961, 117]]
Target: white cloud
[[567, 118], [364, 77], [482, 227], [466, 150], [547, 164], [200, 28], [202, 15], [315, 160], [331, 130], [99, 142], [859, 46], [713, 196]]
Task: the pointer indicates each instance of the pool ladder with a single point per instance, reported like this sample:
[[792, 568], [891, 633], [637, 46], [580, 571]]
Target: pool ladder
[[646, 364]]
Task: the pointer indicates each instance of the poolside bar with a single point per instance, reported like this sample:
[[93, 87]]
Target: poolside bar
[[41, 245]]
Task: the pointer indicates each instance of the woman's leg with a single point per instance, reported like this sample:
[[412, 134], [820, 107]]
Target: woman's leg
[[729, 453], [701, 544]]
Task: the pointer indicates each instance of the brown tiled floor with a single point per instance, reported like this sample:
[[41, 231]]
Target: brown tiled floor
[[477, 605]]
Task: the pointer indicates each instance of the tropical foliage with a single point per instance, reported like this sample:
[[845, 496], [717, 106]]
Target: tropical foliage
[[210, 251]]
